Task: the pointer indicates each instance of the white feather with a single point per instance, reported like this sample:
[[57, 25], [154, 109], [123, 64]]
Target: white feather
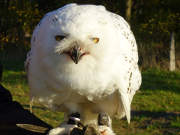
[[103, 81]]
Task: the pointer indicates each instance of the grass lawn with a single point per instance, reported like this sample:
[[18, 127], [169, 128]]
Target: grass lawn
[[155, 108]]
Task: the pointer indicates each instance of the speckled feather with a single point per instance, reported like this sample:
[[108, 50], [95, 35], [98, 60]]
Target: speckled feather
[[103, 81]]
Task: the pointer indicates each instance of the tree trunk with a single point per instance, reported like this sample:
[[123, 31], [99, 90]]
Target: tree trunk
[[172, 53], [128, 10]]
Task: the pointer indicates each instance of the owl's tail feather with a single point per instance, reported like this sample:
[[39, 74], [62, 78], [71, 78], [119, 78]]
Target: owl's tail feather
[[126, 105]]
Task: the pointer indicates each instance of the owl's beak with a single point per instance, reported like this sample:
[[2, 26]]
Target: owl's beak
[[76, 53]]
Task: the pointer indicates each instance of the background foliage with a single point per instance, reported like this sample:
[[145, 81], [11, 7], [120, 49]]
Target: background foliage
[[152, 22], [155, 108]]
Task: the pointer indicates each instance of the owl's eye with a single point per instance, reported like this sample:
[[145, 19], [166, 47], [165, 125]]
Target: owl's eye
[[59, 37], [95, 40]]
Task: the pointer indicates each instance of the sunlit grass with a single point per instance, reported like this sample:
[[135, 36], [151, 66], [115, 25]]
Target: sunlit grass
[[155, 108]]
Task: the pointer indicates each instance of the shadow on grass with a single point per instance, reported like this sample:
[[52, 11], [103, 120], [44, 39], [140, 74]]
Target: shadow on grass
[[167, 123], [155, 115], [161, 80], [12, 57], [14, 65]]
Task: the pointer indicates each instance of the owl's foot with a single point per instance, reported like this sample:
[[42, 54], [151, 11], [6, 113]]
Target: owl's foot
[[105, 124], [75, 127], [103, 127], [104, 120]]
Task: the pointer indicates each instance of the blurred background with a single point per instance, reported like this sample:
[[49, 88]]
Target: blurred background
[[156, 26], [154, 23]]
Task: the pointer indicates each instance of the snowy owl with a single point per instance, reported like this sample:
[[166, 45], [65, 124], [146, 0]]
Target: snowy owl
[[83, 59]]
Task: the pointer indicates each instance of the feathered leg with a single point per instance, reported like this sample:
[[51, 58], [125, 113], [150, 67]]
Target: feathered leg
[[105, 124]]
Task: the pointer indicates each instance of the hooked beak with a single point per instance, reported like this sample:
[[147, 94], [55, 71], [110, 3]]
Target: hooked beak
[[75, 53]]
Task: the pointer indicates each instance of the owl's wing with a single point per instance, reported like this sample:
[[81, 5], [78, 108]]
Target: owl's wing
[[129, 61]]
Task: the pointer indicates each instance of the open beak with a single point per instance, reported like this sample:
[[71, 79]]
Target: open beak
[[76, 53]]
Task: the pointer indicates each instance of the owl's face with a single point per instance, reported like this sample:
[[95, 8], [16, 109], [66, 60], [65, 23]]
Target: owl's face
[[73, 37], [75, 50]]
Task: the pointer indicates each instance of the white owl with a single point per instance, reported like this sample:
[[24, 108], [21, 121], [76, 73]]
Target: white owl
[[84, 59]]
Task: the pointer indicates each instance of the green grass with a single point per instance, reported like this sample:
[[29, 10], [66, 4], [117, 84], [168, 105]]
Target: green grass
[[155, 108]]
